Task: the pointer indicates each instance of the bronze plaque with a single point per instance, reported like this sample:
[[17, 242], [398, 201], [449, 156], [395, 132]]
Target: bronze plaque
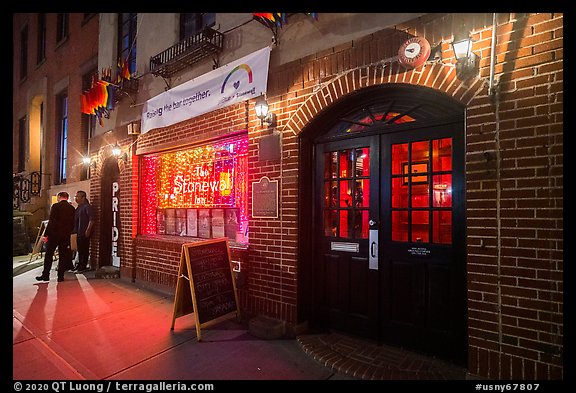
[[265, 198]]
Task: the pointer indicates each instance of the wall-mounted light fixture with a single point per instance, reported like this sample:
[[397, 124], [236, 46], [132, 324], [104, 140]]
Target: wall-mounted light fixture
[[261, 109], [117, 152], [466, 60], [86, 160]]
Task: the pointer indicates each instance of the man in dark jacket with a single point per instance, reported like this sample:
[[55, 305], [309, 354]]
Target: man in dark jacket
[[57, 234]]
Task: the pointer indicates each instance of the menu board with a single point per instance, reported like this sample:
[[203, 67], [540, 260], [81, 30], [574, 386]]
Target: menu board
[[206, 266]]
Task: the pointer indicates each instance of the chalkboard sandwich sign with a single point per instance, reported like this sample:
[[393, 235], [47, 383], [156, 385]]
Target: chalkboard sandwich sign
[[205, 284]]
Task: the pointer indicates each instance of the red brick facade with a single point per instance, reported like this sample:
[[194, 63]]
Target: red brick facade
[[514, 174]]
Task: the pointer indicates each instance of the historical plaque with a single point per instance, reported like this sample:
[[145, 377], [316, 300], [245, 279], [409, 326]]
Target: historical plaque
[[265, 198], [209, 290]]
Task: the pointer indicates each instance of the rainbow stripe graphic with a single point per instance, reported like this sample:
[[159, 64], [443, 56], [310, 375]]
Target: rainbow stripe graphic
[[241, 66]]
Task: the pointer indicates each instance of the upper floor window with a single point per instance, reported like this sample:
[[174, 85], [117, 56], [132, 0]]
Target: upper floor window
[[24, 53], [127, 39], [62, 136], [194, 23], [41, 50], [62, 26]]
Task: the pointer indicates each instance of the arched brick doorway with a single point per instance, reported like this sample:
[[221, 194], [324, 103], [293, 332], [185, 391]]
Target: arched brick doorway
[[382, 176]]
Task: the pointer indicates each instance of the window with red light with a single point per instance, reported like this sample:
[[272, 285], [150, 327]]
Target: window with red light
[[197, 192], [347, 193], [422, 191]]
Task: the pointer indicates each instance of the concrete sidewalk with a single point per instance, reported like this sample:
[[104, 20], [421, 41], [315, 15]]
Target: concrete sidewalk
[[99, 329]]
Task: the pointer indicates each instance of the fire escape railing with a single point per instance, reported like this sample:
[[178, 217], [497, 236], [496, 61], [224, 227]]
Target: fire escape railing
[[187, 52]]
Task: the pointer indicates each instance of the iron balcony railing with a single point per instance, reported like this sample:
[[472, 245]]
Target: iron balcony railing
[[187, 52]]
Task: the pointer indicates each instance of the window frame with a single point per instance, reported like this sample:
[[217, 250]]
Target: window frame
[[41, 42], [201, 21], [62, 136], [127, 52], [24, 37], [62, 27]]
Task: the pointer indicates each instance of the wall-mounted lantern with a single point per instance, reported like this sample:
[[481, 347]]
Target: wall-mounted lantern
[[466, 60], [261, 109]]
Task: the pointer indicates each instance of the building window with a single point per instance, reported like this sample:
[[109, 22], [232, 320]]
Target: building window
[[62, 26], [193, 23], [127, 39], [62, 136], [24, 53], [199, 192], [41, 53], [22, 144]]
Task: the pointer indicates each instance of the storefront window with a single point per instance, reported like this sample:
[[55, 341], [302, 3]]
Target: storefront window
[[198, 192]]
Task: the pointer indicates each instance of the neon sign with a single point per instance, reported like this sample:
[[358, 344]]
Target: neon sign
[[211, 176]]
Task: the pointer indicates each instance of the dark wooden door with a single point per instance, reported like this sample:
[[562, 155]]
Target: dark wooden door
[[398, 197], [422, 256], [347, 178]]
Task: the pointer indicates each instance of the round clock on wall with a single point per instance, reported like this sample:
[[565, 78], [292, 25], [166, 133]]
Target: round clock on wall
[[414, 52]]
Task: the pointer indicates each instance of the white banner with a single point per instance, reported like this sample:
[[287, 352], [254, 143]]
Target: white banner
[[234, 82]]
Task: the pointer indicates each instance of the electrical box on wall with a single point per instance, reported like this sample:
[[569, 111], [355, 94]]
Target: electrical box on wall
[[134, 128], [269, 147]]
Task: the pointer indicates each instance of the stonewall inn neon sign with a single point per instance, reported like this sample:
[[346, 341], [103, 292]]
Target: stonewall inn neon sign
[[210, 176]]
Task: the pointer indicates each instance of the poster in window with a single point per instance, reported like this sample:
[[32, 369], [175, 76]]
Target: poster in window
[[192, 222], [231, 226], [160, 222], [204, 223], [170, 221], [181, 222], [217, 223]]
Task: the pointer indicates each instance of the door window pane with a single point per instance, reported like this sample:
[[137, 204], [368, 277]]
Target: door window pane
[[420, 152], [363, 162], [442, 229], [331, 165], [330, 223], [442, 185], [420, 194], [345, 193], [400, 225], [399, 193], [399, 157], [420, 226], [346, 163], [362, 193], [330, 194], [442, 154]]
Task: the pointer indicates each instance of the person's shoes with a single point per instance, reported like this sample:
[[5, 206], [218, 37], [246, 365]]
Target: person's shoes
[[42, 278], [60, 279], [80, 270]]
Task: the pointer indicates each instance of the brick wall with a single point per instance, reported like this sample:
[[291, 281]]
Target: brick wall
[[513, 179]]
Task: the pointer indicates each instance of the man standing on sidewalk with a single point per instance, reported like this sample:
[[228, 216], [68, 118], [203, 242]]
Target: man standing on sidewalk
[[57, 234], [83, 223]]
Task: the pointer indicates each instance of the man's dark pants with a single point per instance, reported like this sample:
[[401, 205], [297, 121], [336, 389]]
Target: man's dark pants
[[83, 251], [64, 256]]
